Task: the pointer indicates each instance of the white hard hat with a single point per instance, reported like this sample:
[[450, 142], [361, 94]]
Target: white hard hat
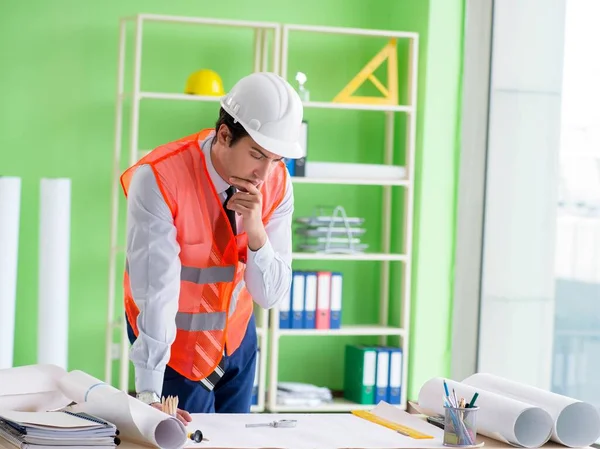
[[270, 110]]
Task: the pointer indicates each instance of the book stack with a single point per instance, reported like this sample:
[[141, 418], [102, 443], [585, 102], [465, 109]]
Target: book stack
[[48, 430], [314, 301], [331, 233], [373, 374]]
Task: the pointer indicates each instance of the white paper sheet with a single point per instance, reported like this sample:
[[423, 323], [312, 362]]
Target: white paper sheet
[[10, 206], [32, 388], [501, 418], [575, 423], [135, 420], [49, 420], [323, 431], [53, 287]]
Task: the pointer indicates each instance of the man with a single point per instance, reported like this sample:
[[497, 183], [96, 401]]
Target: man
[[199, 252]]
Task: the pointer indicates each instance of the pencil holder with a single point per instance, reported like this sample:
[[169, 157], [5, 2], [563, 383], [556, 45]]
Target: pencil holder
[[460, 426]]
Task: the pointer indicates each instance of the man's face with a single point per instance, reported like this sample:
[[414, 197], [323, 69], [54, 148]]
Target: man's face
[[247, 160]]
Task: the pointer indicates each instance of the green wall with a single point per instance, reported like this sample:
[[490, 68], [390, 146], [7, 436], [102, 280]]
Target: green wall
[[57, 88]]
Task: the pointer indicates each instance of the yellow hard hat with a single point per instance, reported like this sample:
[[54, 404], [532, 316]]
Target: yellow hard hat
[[204, 82]]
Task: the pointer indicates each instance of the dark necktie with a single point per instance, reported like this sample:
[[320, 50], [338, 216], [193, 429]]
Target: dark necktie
[[213, 378], [230, 213]]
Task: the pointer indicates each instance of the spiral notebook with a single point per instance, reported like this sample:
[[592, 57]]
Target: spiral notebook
[[39, 430]]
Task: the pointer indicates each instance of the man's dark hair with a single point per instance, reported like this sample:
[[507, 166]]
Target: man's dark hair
[[237, 131]]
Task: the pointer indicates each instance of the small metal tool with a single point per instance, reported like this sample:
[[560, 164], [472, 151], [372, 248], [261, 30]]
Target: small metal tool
[[279, 423]]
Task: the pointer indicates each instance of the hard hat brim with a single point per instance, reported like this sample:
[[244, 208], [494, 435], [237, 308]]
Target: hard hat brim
[[288, 150]]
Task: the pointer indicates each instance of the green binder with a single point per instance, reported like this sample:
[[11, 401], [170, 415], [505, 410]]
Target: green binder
[[359, 374]]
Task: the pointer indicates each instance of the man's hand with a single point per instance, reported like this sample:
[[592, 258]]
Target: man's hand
[[182, 415], [247, 202]]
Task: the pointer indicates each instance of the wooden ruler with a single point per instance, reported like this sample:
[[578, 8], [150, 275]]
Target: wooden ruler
[[404, 430]]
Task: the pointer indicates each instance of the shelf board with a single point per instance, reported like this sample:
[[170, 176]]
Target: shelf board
[[307, 104], [177, 97], [206, 21], [352, 31], [345, 330], [337, 405], [354, 181], [357, 256], [358, 106]]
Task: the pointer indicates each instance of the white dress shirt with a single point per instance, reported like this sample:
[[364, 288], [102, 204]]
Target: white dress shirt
[[154, 267]]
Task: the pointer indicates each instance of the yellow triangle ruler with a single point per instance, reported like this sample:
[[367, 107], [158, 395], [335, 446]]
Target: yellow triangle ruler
[[390, 93], [404, 430]]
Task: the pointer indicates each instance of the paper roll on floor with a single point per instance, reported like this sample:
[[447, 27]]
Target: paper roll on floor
[[54, 248], [576, 423], [10, 206], [501, 418]]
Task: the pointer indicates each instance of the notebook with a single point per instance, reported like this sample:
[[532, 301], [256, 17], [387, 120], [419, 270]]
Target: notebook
[[39, 430]]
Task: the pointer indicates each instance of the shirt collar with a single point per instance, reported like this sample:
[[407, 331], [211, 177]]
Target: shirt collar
[[220, 184]]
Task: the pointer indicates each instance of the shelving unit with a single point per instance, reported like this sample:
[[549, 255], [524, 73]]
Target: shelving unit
[[118, 351], [386, 257], [268, 330]]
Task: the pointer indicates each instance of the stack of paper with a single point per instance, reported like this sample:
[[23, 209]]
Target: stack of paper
[[299, 394], [331, 233], [39, 430]]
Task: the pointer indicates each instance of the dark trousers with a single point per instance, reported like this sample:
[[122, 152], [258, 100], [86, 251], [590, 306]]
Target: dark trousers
[[233, 392]]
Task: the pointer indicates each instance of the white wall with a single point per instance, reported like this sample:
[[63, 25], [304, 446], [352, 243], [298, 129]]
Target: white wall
[[517, 293]]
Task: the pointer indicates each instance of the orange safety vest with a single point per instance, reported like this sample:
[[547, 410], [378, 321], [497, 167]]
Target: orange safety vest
[[214, 304]]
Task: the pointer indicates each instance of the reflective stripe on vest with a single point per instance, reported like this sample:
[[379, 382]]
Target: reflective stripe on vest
[[235, 296], [201, 321], [208, 275]]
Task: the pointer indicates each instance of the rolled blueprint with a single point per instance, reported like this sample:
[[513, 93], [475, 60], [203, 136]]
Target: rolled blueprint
[[32, 388], [136, 421], [10, 205], [575, 423], [53, 293], [499, 417]]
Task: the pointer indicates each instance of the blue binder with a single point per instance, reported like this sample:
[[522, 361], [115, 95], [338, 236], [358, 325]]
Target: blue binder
[[298, 288], [395, 376], [382, 374], [310, 300], [335, 317], [285, 306]]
